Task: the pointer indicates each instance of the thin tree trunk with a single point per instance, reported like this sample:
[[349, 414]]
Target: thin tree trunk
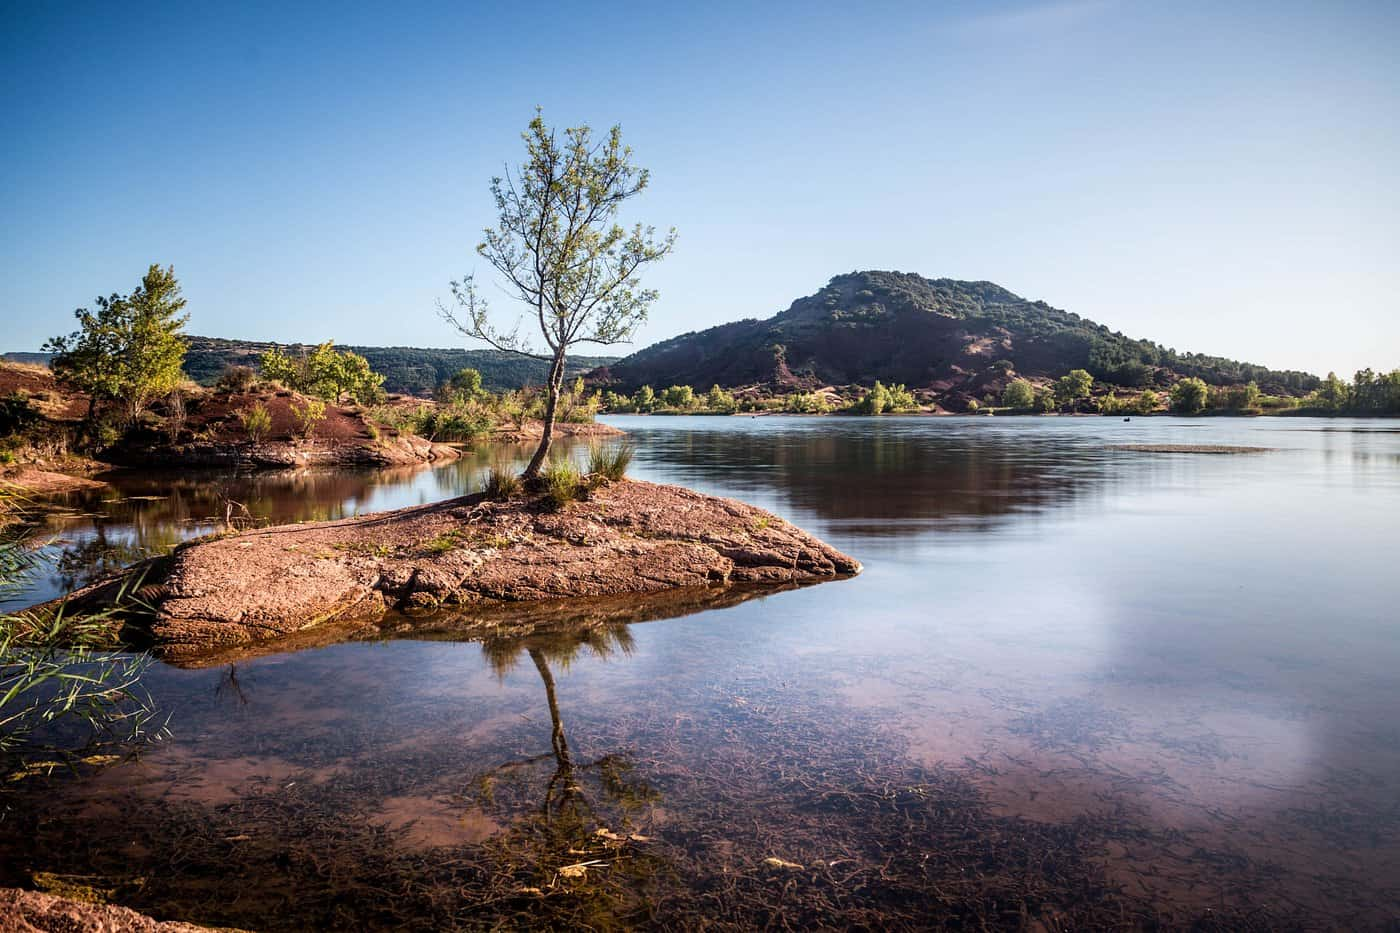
[[556, 382], [556, 735]]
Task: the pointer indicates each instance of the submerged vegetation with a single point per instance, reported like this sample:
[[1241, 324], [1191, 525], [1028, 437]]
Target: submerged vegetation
[[64, 700]]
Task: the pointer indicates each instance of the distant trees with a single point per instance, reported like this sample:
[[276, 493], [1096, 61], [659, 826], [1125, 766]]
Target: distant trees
[[718, 400], [874, 402], [1370, 393], [559, 246], [881, 399], [463, 385], [1189, 396], [682, 397], [1018, 394], [1073, 386], [325, 373], [129, 350], [1239, 397]]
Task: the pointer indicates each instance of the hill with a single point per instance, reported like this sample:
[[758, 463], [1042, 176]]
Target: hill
[[407, 370], [939, 334]]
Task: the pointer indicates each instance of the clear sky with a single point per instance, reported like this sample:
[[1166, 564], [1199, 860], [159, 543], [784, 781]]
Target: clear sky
[[1220, 177]]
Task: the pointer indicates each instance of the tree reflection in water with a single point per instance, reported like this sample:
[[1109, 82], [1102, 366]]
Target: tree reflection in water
[[585, 819]]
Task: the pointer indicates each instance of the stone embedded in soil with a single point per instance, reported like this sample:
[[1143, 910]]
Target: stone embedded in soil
[[626, 537]]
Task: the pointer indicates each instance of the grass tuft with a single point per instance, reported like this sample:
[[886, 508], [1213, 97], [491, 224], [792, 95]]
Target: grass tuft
[[561, 482], [502, 482], [611, 462]]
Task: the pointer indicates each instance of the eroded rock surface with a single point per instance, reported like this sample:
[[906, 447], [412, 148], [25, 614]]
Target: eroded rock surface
[[36, 912], [627, 537]]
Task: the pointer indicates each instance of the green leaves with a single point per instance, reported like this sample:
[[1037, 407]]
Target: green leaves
[[325, 373], [559, 245], [130, 350]]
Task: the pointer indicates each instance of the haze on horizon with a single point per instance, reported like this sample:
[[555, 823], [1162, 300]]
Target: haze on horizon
[[1222, 181]]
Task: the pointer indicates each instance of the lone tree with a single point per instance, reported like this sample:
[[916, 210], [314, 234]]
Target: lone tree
[[130, 350], [563, 253]]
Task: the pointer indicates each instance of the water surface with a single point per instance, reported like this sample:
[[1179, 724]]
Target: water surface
[[1075, 686]]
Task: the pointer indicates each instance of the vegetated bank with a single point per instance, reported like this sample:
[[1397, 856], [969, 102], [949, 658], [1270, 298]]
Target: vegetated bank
[[943, 345]]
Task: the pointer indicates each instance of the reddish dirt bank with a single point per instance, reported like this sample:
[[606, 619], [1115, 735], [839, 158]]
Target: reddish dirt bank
[[33, 912], [26, 481], [627, 537]]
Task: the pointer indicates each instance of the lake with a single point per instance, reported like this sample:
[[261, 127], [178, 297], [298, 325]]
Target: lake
[[1076, 686]]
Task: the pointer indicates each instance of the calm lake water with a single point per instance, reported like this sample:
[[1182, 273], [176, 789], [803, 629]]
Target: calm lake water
[[1074, 687]]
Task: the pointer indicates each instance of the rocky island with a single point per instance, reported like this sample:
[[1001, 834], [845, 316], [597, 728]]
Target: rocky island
[[626, 537]]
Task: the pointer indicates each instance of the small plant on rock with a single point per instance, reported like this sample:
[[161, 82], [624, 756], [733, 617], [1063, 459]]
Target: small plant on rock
[[561, 483], [610, 463], [256, 421], [502, 482], [308, 415]]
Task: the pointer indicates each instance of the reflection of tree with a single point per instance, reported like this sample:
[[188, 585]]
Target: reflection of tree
[[585, 821], [94, 558]]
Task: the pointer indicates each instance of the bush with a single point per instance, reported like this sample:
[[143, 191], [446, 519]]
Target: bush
[[720, 402], [308, 415], [806, 403], [15, 414], [1018, 394], [875, 401], [501, 482], [1189, 396], [679, 397], [256, 421], [900, 399], [561, 483], [610, 462], [237, 379], [1074, 385]]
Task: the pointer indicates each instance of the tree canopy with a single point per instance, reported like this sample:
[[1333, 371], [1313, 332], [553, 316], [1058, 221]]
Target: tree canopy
[[325, 373], [563, 254], [130, 349]]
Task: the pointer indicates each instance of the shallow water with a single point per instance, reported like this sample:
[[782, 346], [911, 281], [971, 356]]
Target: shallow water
[[1075, 686]]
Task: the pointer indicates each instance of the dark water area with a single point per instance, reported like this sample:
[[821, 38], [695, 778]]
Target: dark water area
[[1075, 687]]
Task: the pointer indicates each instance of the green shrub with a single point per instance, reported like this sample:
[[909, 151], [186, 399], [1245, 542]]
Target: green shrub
[[308, 415], [874, 402], [1145, 403], [1189, 396], [610, 462], [1074, 386], [1018, 394], [720, 402], [256, 421], [561, 483], [679, 397], [805, 403], [502, 482], [898, 398]]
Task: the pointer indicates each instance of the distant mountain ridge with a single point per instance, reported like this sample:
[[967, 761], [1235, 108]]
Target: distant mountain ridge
[[939, 334], [407, 370]]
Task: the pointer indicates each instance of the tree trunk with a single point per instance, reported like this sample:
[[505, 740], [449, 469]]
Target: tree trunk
[[556, 734], [556, 382]]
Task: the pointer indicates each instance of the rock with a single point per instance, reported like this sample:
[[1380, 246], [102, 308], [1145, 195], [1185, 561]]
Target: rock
[[27, 481], [627, 537], [34, 912]]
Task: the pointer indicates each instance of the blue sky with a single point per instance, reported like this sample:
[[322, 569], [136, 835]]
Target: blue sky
[[1217, 177]]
